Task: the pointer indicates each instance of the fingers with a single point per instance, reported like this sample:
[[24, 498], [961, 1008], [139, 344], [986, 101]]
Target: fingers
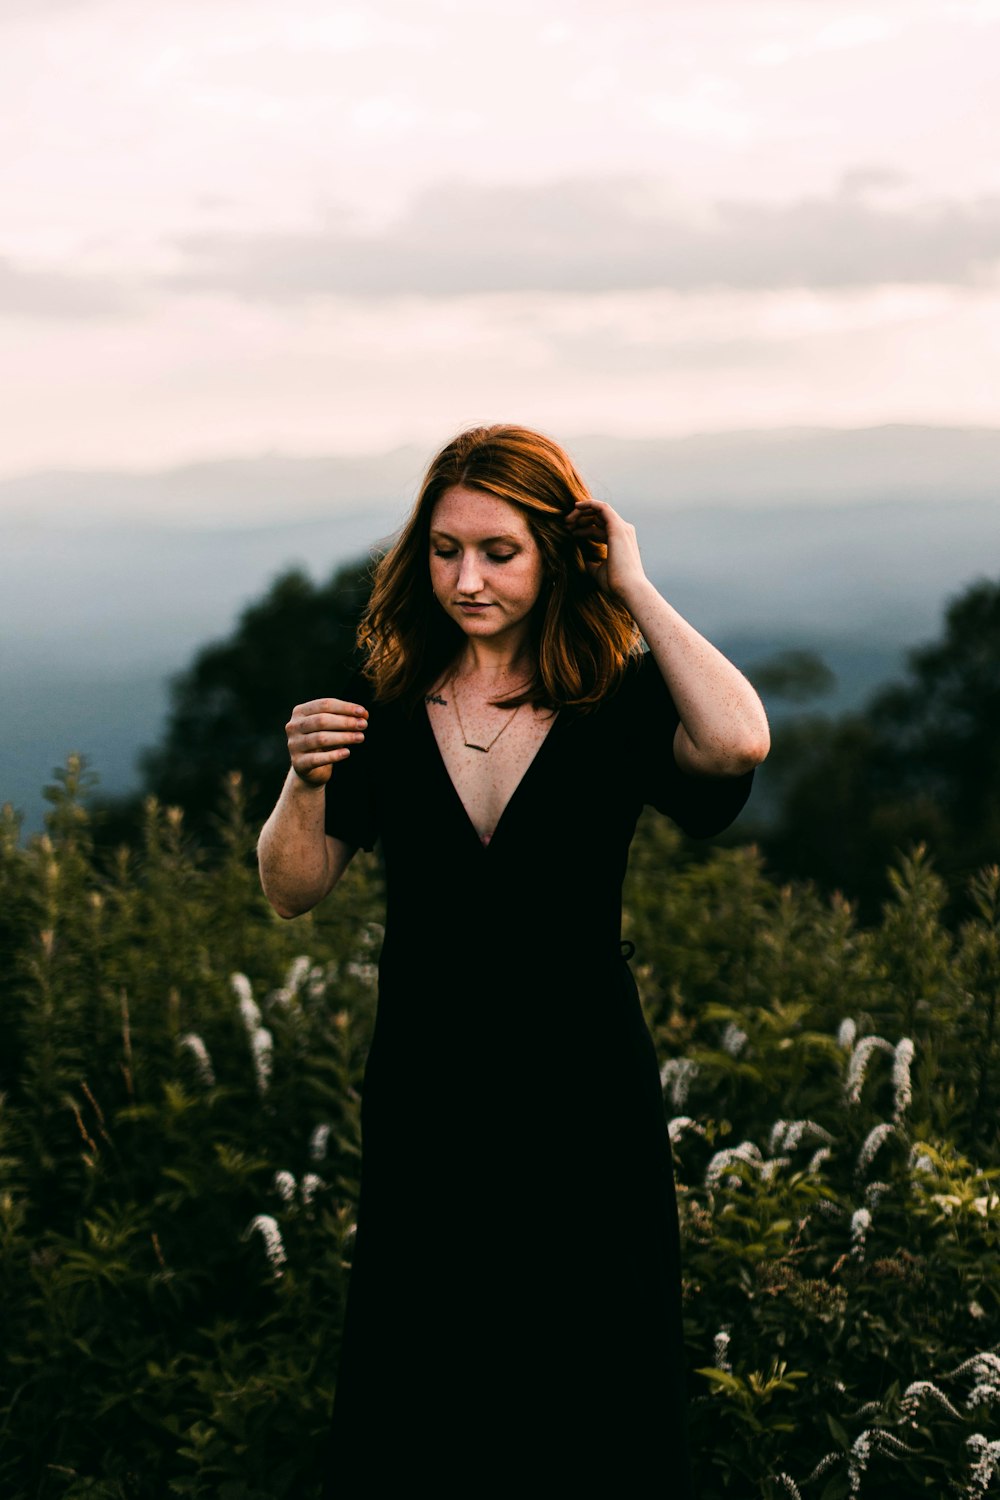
[[599, 521], [599, 524], [331, 706], [327, 714], [590, 518], [322, 732], [326, 723]]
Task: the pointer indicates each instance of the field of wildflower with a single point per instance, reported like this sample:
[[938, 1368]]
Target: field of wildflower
[[179, 1150]]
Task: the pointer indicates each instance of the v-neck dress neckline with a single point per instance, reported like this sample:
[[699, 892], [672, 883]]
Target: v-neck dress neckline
[[436, 751]]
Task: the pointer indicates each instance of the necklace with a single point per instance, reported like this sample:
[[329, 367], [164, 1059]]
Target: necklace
[[468, 743]]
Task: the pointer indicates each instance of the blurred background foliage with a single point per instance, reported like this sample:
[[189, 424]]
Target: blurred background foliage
[[229, 708], [180, 1075], [918, 763]]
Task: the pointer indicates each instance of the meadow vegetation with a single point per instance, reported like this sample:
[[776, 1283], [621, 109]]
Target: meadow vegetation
[[180, 1078]]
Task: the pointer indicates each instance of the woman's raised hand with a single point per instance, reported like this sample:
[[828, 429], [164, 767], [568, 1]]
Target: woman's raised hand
[[621, 569], [320, 733]]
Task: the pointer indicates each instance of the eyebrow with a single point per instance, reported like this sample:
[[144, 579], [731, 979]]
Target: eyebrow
[[485, 541]]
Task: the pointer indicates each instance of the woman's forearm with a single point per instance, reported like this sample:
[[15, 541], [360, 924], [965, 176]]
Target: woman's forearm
[[297, 867], [723, 728]]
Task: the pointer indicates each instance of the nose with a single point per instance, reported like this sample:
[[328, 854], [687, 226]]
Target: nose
[[470, 578]]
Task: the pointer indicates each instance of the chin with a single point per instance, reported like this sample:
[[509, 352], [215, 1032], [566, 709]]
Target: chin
[[477, 622]]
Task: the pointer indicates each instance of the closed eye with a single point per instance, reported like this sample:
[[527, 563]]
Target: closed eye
[[493, 556]]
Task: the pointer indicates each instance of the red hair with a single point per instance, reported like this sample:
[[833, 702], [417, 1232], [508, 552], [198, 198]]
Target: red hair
[[582, 637]]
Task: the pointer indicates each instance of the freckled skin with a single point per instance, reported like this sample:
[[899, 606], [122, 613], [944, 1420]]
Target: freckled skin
[[482, 551]]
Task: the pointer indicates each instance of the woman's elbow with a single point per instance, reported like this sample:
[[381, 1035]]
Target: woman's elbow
[[754, 749], [285, 903], [287, 913], [741, 756], [751, 743], [733, 752], [293, 899]]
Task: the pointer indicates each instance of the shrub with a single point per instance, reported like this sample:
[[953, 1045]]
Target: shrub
[[179, 1148]]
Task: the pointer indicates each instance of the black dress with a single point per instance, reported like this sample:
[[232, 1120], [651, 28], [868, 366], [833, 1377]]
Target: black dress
[[513, 1315]]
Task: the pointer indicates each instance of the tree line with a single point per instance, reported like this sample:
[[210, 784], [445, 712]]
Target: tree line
[[916, 764]]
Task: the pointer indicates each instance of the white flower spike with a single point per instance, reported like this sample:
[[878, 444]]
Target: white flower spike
[[901, 1063], [267, 1227], [284, 1184], [194, 1044]]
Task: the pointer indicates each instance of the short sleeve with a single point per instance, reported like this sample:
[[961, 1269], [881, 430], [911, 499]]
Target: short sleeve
[[700, 805], [350, 791]]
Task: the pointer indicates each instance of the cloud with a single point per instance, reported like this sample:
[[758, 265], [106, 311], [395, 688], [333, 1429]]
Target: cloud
[[62, 295], [575, 235], [604, 234], [35, 10]]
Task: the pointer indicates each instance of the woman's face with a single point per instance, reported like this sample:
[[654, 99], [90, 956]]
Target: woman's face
[[486, 567]]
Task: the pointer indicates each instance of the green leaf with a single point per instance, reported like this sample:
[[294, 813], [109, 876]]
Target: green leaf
[[838, 1433]]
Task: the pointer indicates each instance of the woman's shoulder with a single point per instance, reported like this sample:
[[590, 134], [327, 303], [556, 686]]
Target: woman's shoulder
[[360, 688], [355, 687], [640, 681], [389, 714], [637, 696]]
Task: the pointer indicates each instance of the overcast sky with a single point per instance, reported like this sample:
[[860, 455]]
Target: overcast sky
[[238, 226]]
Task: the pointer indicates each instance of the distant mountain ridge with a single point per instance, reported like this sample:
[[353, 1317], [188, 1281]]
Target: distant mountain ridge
[[786, 466]]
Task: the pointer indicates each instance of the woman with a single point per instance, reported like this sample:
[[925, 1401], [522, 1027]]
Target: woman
[[514, 1307]]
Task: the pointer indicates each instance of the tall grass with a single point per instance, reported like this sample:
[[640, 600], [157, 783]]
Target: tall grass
[[179, 1148]]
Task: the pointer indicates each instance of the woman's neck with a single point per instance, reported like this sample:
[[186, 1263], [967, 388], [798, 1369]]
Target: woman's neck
[[502, 665]]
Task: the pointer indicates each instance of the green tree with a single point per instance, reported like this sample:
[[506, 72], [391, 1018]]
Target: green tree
[[229, 707], [918, 764], [795, 675]]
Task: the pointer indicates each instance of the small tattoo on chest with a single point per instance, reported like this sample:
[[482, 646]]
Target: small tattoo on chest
[[435, 698]]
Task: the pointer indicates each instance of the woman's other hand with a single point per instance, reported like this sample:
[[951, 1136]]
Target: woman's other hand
[[320, 733], [621, 569]]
